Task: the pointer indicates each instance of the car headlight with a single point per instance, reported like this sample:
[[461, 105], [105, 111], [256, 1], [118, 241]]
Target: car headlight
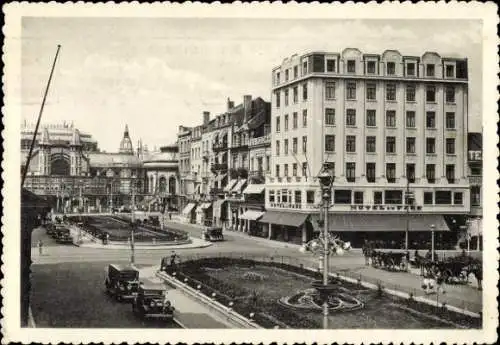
[[152, 304]]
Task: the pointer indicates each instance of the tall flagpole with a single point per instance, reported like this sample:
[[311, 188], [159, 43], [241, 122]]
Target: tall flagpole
[[39, 117]]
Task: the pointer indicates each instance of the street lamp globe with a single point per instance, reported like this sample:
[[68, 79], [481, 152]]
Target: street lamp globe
[[347, 246], [325, 179]]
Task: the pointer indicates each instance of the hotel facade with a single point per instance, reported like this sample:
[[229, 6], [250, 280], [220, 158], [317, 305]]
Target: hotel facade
[[385, 124]]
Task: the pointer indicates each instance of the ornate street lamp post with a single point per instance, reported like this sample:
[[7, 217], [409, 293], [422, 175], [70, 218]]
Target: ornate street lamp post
[[433, 227], [132, 233], [326, 244]]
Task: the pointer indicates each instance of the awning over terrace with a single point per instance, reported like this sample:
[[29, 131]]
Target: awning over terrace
[[284, 218], [230, 185], [189, 207], [251, 215], [385, 222], [239, 186], [254, 189], [203, 206]]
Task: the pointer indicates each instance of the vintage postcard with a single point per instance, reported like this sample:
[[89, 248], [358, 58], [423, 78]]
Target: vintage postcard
[[250, 173]]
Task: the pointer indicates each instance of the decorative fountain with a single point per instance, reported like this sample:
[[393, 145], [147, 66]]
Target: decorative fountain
[[337, 297]]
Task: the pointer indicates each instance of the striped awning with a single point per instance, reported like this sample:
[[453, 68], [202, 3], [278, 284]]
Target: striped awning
[[230, 185], [284, 218], [239, 186], [252, 215], [189, 207], [385, 222], [254, 189]]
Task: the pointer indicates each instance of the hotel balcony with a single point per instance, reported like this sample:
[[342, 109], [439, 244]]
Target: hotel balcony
[[219, 146], [260, 141], [219, 167], [217, 191]]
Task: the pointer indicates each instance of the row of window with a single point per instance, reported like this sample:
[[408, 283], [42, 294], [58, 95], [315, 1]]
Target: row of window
[[371, 119], [295, 93], [390, 145], [348, 197], [294, 146], [371, 67], [390, 92], [390, 171], [371, 93], [371, 145], [295, 121]]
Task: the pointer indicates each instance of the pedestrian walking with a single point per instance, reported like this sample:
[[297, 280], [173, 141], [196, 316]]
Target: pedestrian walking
[[40, 247]]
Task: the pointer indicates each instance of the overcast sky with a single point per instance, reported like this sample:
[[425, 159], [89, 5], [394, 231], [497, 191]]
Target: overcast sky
[[156, 74]]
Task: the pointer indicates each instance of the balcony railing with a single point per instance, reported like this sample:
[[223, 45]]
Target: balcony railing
[[217, 191], [219, 146], [265, 140], [219, 167]]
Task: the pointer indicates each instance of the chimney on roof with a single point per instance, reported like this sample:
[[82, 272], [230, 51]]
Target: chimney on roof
[[247, 106], [230, 104], [206, 117]]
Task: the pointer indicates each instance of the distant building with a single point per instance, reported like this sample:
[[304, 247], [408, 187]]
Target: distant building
[[223, 150], [68, 168]]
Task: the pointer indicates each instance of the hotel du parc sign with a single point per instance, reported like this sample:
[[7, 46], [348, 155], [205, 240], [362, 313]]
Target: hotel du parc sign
[[385, 208]]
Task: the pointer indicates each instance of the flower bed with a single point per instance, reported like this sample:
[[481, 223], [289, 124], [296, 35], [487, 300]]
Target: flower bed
[[256, 287]]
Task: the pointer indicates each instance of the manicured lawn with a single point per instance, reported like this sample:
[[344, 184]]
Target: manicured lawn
[[257, 288]]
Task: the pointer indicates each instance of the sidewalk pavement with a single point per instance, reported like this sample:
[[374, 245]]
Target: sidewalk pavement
[[196, 243], [189, 313]]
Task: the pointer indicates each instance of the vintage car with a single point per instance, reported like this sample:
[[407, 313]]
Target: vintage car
[[63, 235], [151, 302], [122, 282], [54, 233], [50, 229], [212, 233]]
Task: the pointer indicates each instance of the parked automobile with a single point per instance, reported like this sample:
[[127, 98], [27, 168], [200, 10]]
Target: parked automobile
[[122, 282], [212, 233], [55, 232], [50, 229], [151, 302], [63, 235]]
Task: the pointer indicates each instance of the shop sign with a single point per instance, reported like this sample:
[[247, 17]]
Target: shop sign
[[384, 208], [475, 156]]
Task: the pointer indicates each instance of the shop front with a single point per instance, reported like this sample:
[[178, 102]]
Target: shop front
[[188, 214], [250, 222], [287, 226], [204, 212], [388, 230]]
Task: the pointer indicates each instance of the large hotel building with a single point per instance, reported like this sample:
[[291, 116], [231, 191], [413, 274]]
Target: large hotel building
[[385, 124]]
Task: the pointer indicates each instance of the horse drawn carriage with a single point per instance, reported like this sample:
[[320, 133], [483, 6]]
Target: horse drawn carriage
[[389, 261], [452, 270]]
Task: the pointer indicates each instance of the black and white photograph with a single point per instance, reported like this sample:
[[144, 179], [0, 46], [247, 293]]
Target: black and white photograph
[[183, 172]]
